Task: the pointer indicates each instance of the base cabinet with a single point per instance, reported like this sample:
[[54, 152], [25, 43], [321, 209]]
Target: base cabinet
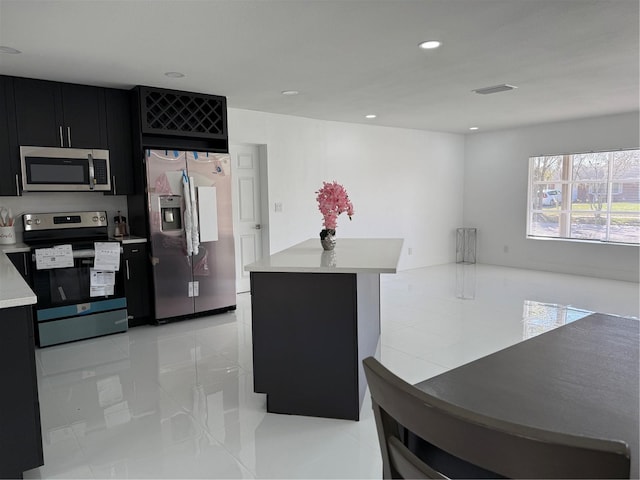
[[136, 286], [310, 333], [20, 432]]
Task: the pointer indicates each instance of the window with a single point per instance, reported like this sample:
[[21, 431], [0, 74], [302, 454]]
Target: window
[[585, 196]]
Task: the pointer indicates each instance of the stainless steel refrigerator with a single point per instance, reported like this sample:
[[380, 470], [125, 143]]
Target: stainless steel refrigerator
[[191, 227]]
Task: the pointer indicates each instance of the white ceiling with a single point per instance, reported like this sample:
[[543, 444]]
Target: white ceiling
[[568, 58]]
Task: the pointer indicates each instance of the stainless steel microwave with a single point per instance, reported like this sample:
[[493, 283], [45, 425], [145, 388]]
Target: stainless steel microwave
[[51, 169]]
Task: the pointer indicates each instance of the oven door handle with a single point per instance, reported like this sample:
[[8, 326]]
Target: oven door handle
[[82, 253], [86, 253]]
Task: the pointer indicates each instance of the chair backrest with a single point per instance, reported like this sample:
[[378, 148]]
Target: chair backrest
[[422, 436]]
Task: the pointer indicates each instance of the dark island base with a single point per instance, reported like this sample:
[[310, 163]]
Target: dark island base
[[311, 332]]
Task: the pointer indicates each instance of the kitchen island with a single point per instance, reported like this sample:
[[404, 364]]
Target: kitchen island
[[20, 433], [315, 316]]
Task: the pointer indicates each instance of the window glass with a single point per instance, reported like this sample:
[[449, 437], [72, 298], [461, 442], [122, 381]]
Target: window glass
[[586, 196]]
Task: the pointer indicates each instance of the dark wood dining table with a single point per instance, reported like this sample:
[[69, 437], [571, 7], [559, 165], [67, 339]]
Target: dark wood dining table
[[581, 378]]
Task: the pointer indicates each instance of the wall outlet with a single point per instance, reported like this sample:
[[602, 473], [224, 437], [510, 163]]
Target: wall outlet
[[277, 207]]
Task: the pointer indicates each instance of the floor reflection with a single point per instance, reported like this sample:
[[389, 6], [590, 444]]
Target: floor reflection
[[540, 317], [466, 281]]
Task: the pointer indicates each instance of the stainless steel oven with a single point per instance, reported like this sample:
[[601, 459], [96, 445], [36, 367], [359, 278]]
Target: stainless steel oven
[[69, 306]]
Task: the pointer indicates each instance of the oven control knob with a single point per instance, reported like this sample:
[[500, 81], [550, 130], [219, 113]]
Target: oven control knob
[[29, 222], [102, 218], [95, 219], [37, 221]]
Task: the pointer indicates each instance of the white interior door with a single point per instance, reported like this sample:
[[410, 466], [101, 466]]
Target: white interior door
[[245, 164]]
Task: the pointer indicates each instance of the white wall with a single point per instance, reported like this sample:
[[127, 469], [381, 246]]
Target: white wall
[[495, 191], [402, 183]]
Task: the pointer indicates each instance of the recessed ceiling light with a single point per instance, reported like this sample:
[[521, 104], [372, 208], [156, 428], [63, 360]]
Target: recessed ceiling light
[[290, 92], [371, 115], [495, 89], [473, 128], [174, 74], [429, 44], [9, 50]]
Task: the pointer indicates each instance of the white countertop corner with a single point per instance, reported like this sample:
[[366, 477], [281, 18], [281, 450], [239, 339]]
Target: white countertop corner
[[17, 247], [128, 239], [350, 255], [14, 291]]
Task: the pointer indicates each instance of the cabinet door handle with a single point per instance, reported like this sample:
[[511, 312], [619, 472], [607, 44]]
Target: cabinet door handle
[[128, 273], [69, 136], [114, 185], [61, 137], [17, 185], [24, 262], [134, 250]]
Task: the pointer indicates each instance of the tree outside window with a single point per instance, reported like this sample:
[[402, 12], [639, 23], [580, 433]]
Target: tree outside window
[[586, 196]]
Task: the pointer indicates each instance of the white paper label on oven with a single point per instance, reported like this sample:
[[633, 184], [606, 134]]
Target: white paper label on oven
[[107, 256], [190, 288], [100, 290], [60, 256], [100, 278]]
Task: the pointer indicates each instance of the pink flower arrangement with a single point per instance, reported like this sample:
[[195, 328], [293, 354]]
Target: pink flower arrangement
[[332, 201]]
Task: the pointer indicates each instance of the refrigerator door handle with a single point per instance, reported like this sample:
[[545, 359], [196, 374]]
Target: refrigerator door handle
[[186, 192], [195, 227]]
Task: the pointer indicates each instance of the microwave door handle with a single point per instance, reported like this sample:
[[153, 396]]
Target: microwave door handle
[[92, 173]]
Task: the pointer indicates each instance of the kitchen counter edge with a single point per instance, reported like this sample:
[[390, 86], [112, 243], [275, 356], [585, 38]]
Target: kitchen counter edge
[[351, 255], [128, 239], [14, 291]]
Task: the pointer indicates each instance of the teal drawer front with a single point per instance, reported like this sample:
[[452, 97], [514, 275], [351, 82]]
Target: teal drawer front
[[86, 326], [80, 309]]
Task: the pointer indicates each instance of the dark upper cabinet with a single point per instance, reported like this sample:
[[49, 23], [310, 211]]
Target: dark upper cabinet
[[9, 164], [83, 109], [37, 113], [118, 108], [52, 114]]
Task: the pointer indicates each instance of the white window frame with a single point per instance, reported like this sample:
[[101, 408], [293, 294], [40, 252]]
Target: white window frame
[[566, 186]]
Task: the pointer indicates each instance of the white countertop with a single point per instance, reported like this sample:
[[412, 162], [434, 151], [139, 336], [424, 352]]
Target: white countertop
[[351, 255], [14, 291], [128, 239], [15, 247]]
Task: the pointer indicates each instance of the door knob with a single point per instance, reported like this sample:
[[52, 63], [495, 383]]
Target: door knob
[[257, 226]]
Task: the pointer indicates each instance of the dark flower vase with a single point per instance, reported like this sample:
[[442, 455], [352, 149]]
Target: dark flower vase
[[328, 238]]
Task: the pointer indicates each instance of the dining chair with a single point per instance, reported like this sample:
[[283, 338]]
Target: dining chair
[[422, 436]]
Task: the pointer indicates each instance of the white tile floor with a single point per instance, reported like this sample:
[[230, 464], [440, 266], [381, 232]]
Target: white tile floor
[[177, 401]]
